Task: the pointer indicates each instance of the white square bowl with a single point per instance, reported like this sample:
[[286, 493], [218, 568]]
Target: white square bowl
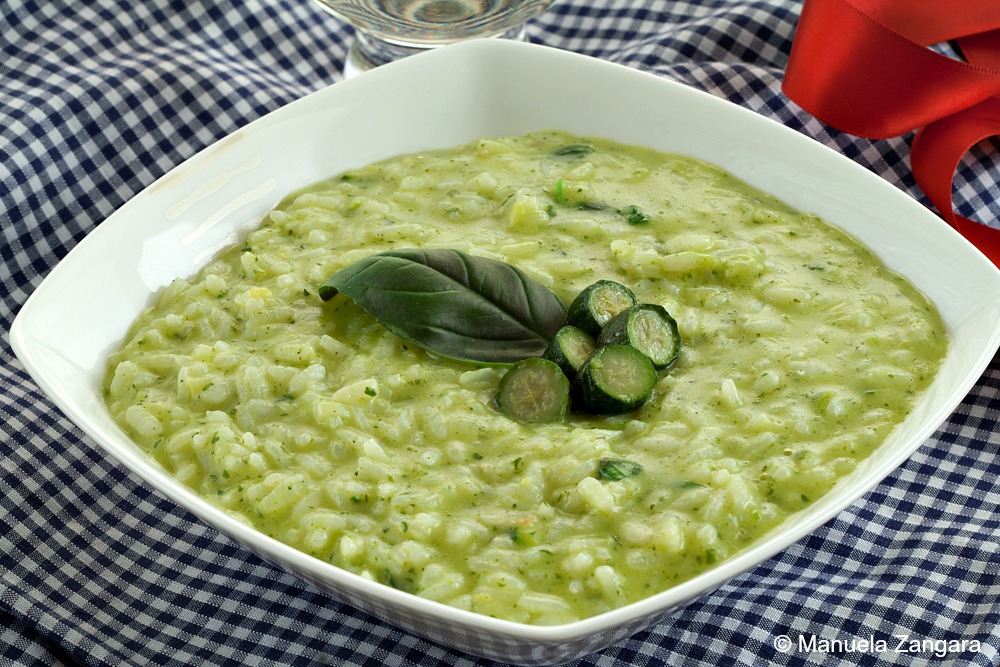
[[441, 99]]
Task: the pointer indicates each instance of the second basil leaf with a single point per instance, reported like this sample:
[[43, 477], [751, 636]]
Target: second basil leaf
[[457, 305]]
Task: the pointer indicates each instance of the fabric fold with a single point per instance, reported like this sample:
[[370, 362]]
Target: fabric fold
[[864, 67]]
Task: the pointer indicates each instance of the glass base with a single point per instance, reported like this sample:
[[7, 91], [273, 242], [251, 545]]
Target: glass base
[[368, 52]]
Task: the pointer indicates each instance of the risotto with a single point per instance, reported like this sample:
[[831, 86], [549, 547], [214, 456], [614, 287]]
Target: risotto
[[310, 421]]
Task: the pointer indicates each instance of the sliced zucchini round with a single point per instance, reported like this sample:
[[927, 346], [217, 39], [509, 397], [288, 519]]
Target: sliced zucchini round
[[534, 390], [649, 328], [597, 304], [616, 379], [570, 348]]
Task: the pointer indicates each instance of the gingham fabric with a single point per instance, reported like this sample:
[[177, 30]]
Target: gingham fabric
[[100, 97]]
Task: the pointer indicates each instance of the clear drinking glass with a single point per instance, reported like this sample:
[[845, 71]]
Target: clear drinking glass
[[386, 30]]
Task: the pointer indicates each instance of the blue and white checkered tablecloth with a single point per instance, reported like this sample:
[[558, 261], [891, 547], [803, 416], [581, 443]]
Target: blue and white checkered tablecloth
[[99, 98]]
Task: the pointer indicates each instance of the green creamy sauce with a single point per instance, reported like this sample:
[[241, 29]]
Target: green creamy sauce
[[311, 422]]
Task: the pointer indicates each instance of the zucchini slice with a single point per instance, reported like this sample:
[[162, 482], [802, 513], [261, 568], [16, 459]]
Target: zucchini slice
[[534, 390], [616, 379], [649, 328], [597, 304], [570, 348]]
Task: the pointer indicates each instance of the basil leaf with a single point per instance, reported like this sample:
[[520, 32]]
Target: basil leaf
[[457, 305], [635, 216], [616, 469], [573, 150]]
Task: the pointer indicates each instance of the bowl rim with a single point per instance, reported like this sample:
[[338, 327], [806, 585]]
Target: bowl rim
[[469, 55]]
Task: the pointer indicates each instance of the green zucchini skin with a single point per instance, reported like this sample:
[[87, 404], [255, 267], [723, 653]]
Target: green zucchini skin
[[534, 390], [615, 380], [597, 304], [649, 328], [570, 348]]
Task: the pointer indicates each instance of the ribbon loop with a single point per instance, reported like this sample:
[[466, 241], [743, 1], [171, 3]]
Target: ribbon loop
[[864, 67]]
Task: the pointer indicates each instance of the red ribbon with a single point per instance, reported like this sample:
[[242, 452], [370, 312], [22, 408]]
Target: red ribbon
[[863, 66]]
